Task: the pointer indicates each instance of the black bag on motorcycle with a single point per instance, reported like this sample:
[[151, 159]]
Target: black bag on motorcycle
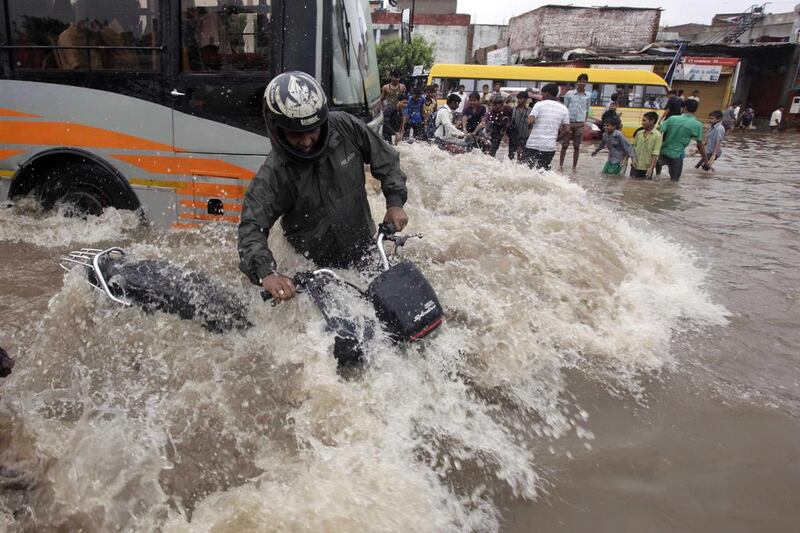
[[405, 302]]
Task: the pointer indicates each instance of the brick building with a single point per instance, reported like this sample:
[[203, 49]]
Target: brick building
[[549, 31]]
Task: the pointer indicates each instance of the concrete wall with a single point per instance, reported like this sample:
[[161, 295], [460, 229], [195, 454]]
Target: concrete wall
[[775, 25], [431, 7], [450, 42], [779, 25], [553, 29], [484, 35], [448, 33]]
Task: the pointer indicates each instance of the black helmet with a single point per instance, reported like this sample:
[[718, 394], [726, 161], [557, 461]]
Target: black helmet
[[294, 101]]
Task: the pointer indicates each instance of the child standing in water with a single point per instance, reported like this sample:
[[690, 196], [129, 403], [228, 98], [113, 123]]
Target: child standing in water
[[619, 149], [647, 145], [713, 142]]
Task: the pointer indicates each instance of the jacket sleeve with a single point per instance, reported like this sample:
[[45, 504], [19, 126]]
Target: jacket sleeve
[[603, 143], [384, 162], [263, 204]]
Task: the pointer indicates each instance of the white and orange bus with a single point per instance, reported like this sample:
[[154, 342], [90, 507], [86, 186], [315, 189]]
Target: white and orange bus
[[155, 105]]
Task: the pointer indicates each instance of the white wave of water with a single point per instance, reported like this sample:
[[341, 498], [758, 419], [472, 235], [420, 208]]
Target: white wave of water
[[23, 221], [191, 431]]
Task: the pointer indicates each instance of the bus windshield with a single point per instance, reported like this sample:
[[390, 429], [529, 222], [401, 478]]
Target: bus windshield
[[355, 65]]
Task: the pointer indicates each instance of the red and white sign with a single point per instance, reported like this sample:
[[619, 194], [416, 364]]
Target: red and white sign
[[717, 61]]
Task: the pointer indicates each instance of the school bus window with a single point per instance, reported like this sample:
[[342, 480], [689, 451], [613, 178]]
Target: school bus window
[[225, 35], [654, 96], [447, 85], [85, 34]]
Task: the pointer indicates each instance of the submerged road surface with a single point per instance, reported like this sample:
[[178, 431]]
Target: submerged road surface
[[618, 356]]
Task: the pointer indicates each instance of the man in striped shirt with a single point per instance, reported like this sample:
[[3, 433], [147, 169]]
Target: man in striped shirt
[[548, 119], [578, 102]]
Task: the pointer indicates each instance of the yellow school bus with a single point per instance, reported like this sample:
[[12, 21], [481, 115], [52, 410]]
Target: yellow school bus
[[639, 91]]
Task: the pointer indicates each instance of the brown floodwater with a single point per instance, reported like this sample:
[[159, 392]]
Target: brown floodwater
[[619, 356]]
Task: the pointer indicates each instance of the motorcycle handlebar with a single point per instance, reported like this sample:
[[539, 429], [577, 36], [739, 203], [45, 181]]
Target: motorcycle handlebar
[[387, 229], [299, 280]]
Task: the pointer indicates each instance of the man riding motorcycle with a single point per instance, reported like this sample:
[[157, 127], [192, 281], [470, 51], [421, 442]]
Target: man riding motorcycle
[[314, 178]]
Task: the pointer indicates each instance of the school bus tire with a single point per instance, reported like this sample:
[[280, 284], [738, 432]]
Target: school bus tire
[[77, 183]]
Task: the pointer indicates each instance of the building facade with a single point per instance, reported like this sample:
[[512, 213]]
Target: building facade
[[726, 28], [449, 34], [549, 31]]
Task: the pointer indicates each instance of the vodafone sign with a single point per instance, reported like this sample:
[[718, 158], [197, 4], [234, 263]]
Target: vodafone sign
[[716, 61]]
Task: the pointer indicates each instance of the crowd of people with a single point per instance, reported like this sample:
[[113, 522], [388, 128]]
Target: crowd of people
[[537, 125]]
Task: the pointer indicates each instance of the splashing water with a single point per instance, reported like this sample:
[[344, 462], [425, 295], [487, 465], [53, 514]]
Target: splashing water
[[24, 221], [123, 420]]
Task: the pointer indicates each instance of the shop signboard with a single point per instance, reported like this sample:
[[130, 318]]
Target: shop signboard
[[693, 72], [795, 109], [721, 61]]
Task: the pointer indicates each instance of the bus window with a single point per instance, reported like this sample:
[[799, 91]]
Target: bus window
[[225, 57], [85, 34], [654, 97], [627, 96], [448, 85], [225, 35], [605, 90]]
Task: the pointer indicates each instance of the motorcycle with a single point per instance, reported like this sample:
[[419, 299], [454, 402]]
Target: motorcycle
[[465, 145], [405, 304]]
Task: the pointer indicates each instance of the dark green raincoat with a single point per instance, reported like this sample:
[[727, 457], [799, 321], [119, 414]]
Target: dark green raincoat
[[326, 216]]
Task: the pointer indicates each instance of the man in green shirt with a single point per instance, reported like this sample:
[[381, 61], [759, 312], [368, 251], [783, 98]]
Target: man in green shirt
[[678, 132], [647, 145]]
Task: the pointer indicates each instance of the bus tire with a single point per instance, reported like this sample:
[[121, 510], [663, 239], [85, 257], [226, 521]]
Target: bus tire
[[78, 188], [79, 185]]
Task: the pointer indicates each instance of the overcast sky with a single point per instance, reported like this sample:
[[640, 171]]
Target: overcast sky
[[675, 11]]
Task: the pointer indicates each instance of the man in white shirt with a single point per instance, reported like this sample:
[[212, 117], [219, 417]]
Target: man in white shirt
[[463, 96], [548, 119], [776, 118], [445, 129]]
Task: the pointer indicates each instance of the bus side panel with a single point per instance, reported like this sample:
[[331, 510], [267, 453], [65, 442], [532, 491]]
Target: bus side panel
[[49, 102], [631, 117], [200, 135], [174, 185]]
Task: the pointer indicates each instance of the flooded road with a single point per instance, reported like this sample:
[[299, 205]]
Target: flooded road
[[618, 356]]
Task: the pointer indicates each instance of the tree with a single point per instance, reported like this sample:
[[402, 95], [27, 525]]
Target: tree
[[394, 54]]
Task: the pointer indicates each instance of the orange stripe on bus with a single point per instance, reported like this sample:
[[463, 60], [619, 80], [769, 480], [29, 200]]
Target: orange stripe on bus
[[5, 154], [205, 216], [197, 166], [184, 225], [158, 183], [211, 190], [203, 205], [11, 113], [67, 134]]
